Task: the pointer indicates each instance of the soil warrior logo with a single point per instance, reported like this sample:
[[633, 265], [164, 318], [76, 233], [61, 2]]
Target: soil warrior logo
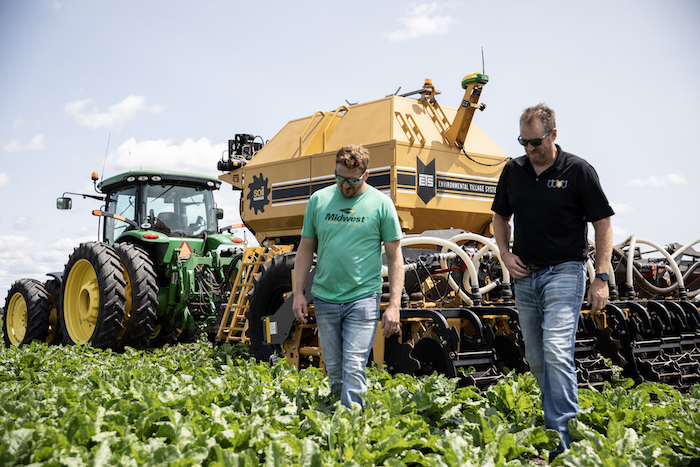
[[258, 193]]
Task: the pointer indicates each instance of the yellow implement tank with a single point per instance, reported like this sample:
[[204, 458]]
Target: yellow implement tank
[[439, 169]]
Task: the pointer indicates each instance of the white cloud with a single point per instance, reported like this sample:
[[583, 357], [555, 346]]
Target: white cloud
[[658, 182], [621, 208], [4, 179], [198, 156], [36, 143], [620, 233], [423, 20], [24, 257], [87, 115]]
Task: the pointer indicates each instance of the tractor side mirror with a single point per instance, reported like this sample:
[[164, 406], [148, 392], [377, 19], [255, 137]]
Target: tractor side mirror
[[64, 203], [219, 213]]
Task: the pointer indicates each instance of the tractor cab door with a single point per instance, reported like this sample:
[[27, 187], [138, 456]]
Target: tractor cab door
[[123, 203]]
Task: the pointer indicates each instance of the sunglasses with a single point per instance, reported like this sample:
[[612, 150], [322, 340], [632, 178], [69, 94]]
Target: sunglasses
[[351, 181], [535, 142]]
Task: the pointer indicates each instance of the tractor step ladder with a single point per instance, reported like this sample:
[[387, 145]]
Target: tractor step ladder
[[233, 323]]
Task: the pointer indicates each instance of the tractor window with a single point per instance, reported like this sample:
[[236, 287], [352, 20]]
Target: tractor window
[[180, 210], [123, 203]]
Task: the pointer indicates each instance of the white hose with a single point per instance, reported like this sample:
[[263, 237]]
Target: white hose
[[685, 247], [488, 246], [446, 244], [632, 241]]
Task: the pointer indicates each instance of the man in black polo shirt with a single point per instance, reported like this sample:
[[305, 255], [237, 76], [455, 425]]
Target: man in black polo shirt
[[551, 196]]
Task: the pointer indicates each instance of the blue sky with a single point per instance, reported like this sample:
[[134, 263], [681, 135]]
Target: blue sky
[[108, 86]]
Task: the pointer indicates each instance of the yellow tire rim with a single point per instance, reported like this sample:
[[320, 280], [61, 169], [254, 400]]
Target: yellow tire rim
[[156, 331], [81, 301], [16, 317], [128, 303], [53, 318]]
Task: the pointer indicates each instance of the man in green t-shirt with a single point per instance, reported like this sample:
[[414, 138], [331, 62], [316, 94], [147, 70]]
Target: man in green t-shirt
[[347, 223]]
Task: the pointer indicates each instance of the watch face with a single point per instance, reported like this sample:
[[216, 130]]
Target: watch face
[[604, 276]]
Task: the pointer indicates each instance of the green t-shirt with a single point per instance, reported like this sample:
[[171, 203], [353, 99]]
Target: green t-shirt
[[350, 232]]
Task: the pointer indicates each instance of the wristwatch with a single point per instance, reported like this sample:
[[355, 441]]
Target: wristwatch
[[604, 276]]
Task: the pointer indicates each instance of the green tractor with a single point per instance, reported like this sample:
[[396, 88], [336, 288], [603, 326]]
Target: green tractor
[[161, 274]]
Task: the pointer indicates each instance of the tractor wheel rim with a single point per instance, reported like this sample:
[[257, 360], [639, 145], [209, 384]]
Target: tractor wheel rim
[[156, 331], [53, 319], [127, 303], [82, 301], [16, 317]]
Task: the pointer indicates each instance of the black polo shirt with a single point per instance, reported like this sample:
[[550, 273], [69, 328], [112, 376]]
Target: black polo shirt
[[551, 211]]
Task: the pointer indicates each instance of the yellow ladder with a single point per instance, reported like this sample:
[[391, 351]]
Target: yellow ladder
[[233, 323]]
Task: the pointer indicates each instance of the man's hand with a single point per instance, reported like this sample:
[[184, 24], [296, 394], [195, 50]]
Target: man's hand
[[390, 320], [392, 313], [302, 265], [301, 308], [502, 229], [598, 294], [517, 268]]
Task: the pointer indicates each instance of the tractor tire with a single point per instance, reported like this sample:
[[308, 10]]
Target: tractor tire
[[217, 324], [232, 271], [164, 334], [53, 290], [26, 313], [92, 309], [267, 295], [141, 291]]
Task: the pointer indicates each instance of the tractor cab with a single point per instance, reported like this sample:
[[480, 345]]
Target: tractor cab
[[174, 208], [172, 203]]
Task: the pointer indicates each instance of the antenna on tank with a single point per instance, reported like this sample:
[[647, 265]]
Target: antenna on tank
[[483, 64]]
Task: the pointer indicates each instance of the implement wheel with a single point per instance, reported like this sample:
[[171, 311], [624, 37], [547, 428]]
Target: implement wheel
[[141, 296], [269, 288], [53, 290], [92, 309], [26, 313]]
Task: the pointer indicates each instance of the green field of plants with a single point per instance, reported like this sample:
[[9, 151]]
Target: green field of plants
[[198, 405]]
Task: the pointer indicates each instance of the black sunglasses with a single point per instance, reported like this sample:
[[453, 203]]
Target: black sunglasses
[[535, 142], [351, 181]]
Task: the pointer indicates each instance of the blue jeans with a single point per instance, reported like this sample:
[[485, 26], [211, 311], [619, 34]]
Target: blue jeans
[[346, 331], [549, 305]]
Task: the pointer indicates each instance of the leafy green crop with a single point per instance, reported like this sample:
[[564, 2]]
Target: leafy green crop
[[197, 405]]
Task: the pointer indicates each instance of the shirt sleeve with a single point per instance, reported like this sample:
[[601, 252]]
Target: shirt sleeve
[[501, 203], [595, 203], [390, 227], [308, 228]]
